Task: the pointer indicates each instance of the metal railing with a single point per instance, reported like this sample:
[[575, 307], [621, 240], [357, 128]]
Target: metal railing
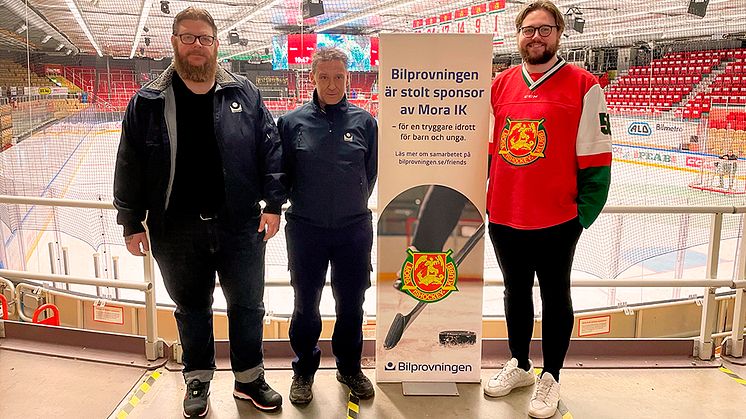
[[154, 347], [704, 348]]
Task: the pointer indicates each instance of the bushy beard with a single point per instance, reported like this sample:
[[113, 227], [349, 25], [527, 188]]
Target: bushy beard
[[544, 58], [196, 73]]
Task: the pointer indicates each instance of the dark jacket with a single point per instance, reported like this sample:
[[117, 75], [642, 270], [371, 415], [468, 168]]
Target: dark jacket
[[330, 157], [246, 135]]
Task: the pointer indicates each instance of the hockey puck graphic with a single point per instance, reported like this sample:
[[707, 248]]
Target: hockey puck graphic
[[457, 337]]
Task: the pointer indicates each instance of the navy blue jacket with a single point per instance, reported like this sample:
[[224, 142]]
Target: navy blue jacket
[[330, 157], [247, 138]]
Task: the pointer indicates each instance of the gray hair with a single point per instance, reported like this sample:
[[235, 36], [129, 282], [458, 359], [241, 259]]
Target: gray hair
[[328, 54]]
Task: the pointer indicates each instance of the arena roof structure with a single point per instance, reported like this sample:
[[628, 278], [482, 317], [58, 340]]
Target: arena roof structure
[[125, 29]]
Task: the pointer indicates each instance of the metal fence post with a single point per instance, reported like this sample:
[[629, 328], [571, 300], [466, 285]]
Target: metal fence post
[[734, 346], [704, 348], [153, 347]]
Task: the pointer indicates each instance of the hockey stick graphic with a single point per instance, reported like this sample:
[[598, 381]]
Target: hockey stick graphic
[[402, 322]]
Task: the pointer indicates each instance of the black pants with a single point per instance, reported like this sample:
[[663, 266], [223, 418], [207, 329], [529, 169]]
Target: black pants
[[310, 252], [548, 253]]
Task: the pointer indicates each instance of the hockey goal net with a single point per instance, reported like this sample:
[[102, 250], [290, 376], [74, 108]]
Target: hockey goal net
[[725, 174]]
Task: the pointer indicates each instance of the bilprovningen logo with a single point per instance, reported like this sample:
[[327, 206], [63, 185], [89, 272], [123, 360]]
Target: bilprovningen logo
[[415, 367]]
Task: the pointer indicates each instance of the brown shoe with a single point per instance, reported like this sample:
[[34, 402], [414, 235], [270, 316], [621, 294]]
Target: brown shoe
[[300, 390]]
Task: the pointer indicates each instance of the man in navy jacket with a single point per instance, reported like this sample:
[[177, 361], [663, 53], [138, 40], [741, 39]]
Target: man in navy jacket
[[198, 151], [330, 157]]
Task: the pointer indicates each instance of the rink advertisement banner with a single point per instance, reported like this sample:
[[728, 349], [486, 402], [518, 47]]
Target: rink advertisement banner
[[710, 170], [434, 130], [652, 131]]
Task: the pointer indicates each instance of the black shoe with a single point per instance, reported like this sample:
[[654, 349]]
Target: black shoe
[[195, 399], [259, 392], [300, 390], [358, 383]]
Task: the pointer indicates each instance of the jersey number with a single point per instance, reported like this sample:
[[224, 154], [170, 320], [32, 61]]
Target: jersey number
[[605, 123]]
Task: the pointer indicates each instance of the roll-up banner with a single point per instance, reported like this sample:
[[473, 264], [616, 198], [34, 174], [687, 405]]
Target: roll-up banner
[[434, 93]]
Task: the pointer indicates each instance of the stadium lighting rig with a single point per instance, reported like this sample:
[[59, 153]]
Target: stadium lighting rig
[[574, 19], [630, 33], [144, 12], [678, 7], [371, 11], [32, 19]]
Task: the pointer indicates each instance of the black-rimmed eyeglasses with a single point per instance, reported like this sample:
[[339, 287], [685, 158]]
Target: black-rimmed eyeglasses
[[544, 30], [189, 39]]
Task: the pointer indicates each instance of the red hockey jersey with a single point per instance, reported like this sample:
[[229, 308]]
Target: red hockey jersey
[[551, 150]]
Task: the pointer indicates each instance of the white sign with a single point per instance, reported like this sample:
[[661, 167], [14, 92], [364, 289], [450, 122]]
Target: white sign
[[108, 314], [592, 326], [434, 130]]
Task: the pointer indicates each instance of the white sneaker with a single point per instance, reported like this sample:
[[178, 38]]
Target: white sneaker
[[546, 397], [510, 377]]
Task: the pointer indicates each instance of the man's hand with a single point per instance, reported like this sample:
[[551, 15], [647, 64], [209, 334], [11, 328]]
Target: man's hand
[[270, 224], [134, 241]]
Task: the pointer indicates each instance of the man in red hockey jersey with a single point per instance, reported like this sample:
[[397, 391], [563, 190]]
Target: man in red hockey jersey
[[549, 178]]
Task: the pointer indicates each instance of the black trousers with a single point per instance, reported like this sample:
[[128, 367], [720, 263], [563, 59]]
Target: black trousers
[[548, 253], [310, 252]]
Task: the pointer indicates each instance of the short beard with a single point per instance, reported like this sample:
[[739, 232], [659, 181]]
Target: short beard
[[544, 58], [196, 73]]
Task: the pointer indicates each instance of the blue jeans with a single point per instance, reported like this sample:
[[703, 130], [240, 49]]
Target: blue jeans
[[189, 252], [310, 252]]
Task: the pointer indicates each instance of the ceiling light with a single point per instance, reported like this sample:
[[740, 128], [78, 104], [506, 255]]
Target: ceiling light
[[261, 47], [69, 51], [22, 29], [59, 47], [233, 37], [79, 18], [46, 39], [266, 5]]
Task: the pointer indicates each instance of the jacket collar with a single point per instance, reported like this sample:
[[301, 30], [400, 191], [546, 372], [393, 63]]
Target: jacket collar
[[339, 107], [156, 87]]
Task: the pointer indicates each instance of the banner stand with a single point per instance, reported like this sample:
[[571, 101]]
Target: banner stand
[[434, 95]]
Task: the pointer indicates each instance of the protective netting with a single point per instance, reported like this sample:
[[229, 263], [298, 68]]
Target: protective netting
[[675, 84]]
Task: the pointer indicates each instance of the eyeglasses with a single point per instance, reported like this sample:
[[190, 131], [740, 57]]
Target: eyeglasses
[[189, 39], [544, 30]]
